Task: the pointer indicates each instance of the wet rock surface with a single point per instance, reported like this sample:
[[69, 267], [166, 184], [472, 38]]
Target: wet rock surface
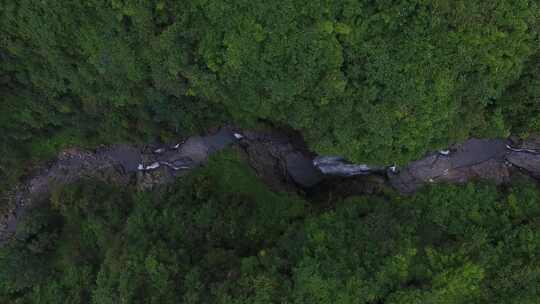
[[280, 159], [127, 157], [473, 159], [527, 161], [475, 151], [302, 170]]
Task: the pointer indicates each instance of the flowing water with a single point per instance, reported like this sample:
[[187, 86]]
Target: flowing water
[[289, 161]]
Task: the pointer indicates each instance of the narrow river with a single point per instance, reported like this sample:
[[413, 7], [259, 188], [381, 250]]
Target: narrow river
[[280, 159]]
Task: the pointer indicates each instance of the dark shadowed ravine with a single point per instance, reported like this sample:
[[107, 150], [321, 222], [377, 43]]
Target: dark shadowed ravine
[[280, 159]]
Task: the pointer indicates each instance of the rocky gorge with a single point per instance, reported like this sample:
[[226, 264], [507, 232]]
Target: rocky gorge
[[280, 158]]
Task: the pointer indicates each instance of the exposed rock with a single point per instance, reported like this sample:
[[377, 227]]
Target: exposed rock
[[300, 167], [491, 169], [475, 151], [280, 159], [405, 181], [195, 148], [526, 161], [475, 158], [267, 166], [128, 157], [223, 138]]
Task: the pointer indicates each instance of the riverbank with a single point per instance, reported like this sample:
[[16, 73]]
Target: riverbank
[[280, 159]]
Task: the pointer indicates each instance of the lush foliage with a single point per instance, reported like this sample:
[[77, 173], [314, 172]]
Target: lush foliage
[[220, 236], [521, 102], [376, 81]]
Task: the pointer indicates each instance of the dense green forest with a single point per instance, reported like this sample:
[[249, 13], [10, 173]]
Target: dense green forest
[[375, 81], [378, 82], [220, 236]]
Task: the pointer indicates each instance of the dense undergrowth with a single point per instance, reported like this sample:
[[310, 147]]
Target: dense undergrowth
[[220, 236]]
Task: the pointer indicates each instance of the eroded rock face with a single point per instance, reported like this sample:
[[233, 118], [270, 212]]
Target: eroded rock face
[[300, 167], [279, 162], [268, 167]]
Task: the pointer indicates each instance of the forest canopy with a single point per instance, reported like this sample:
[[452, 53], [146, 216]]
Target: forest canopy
[[377, 82], [374, 81], [220, 236]]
